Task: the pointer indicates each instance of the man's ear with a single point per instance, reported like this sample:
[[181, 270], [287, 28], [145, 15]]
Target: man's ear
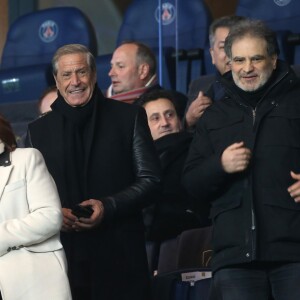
[[211, 51], [274, 61], [143, 71]]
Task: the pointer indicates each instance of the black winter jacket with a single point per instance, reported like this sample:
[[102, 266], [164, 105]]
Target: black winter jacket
[[253, 215]]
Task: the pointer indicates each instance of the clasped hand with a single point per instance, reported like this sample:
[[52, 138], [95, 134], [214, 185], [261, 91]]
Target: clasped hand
[[236, 158], [72, 223]]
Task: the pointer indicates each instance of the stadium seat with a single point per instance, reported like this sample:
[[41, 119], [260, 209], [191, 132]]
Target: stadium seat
[[184, 27], [191, 19], [31, 42], [283, 16]]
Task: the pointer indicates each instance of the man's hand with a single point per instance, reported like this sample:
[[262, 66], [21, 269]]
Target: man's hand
[[196, 109], [236, 158], [94, 220], [294, 189], [68, 220]]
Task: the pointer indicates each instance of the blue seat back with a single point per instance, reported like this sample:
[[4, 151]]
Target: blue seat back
[[184, 26], [190, 17], [31, 43], [33, 38], [103, 67]]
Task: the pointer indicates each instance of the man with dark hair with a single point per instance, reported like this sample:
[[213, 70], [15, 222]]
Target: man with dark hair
[[206, 89], [173, 211], [101, 156], [244, 161]]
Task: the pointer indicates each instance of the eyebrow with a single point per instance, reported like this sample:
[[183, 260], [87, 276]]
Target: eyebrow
[[154, 115], [257, 56]]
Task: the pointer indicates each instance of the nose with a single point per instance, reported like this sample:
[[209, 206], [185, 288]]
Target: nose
[[248, 66], [164, 121], [111, 72], [75, 79]]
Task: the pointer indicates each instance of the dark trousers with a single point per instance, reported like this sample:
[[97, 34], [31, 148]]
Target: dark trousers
[[258, 282]]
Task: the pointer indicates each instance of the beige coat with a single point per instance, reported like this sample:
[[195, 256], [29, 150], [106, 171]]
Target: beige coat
[[32, 260]]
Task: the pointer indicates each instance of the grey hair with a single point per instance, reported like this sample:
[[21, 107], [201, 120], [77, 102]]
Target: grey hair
[[226, 21], [73, 49], [252, 28]]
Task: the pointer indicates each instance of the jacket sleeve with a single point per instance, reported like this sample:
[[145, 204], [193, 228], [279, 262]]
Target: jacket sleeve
[[147, 168], [203, 174], [37, 214]]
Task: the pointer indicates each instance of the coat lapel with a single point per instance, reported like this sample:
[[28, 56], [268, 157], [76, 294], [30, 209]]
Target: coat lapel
[[4, 175]]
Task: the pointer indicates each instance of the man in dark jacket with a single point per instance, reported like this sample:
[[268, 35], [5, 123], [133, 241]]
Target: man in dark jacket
[[206, 89], [101, 155], [245, 161], [172, 213]]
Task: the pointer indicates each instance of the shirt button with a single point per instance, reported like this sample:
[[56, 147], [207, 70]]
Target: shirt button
[[248, 254]]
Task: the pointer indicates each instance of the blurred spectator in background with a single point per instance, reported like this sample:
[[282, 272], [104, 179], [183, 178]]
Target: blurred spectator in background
[[46, 99], [133, 74], [206, 89]]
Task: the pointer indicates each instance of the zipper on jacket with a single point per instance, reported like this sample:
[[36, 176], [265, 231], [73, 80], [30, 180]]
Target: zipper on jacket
[[252, 220], [253, 235], [253, 115]]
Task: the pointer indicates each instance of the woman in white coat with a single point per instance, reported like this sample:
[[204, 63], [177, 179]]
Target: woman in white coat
[[32, 260]]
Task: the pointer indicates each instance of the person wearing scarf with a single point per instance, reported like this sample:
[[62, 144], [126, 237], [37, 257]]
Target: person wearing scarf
[[133, 74], [100, 154]]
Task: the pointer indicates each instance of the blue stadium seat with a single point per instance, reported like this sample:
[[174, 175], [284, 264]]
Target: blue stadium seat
[[184, 27], [283, 16], [33, 38], [31, 42], [191, 18], [103, 67]]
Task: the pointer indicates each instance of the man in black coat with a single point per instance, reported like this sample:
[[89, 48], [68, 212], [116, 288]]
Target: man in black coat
[[101, 156], [172, 213], [245, 162]]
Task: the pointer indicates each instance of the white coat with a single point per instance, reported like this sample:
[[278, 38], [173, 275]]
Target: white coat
[[32, 259]]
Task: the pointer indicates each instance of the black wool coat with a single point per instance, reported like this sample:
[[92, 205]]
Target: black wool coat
[[121, 169]]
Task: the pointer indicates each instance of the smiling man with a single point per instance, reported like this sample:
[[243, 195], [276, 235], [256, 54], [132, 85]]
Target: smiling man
[[245, 162], [101, 155]]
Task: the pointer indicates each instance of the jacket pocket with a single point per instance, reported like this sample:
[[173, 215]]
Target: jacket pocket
[[227, 220], [282, 216], [282, 128]]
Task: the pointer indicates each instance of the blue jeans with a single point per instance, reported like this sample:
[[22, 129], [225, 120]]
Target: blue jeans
[[258, 282]]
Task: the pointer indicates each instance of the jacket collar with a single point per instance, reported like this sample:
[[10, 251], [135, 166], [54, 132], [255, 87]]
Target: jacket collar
[[5, 169], [5, 159], [282, 73]]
